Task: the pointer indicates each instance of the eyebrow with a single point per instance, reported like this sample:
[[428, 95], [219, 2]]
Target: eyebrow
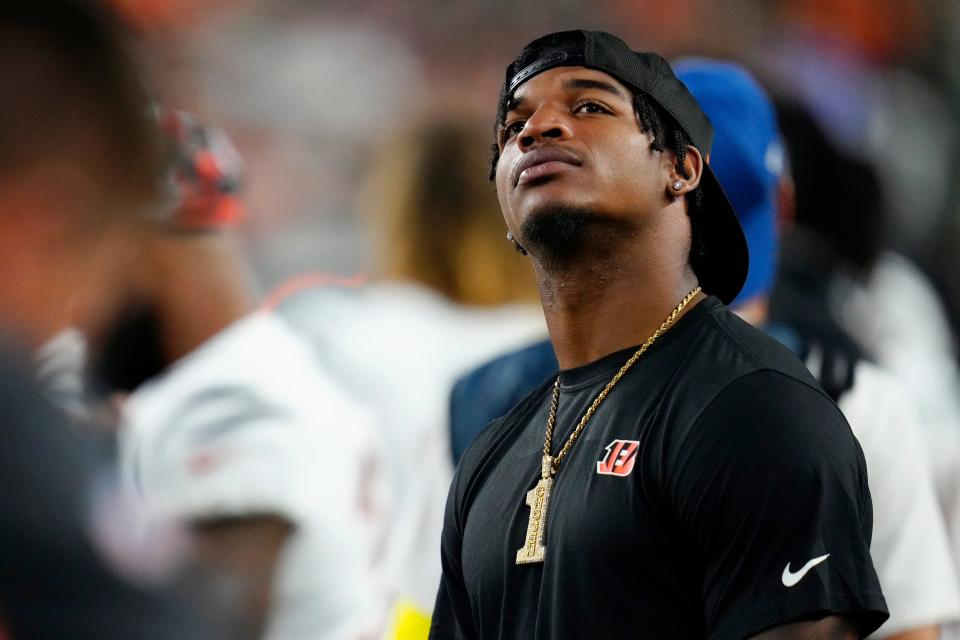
[[515, 102]]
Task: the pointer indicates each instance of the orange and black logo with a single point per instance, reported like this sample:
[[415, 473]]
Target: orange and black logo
[[619, 459]]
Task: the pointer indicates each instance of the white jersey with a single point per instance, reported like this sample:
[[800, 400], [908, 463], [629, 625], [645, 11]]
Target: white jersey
[[910, 549], [249, 424], [899, 321], [399, 349]]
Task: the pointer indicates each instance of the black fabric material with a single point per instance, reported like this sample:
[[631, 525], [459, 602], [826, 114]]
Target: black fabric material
[[743, 467], [722, 269]]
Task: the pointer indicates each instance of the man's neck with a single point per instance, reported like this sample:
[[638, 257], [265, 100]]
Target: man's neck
[[595, 310]]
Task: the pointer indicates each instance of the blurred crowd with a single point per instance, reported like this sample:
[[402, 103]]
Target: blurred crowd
[[249, 249]]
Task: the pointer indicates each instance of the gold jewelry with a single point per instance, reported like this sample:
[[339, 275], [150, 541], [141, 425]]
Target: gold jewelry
[[538, 498]]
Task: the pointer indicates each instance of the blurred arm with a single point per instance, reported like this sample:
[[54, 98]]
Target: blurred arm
[[243, 553], [931, 632], [200, 283], [829, 628]]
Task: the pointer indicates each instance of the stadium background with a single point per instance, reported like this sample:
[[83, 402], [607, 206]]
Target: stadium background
[[310, 91]]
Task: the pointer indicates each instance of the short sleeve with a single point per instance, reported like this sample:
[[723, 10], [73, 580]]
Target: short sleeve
[[770, 487], [227, 452], [248, 425]]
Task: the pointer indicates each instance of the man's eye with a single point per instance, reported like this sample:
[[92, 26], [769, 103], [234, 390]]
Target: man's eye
[[591, 107], [511, 129]]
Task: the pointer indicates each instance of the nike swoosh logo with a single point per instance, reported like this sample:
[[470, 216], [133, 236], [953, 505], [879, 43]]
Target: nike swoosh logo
[[790, 578]]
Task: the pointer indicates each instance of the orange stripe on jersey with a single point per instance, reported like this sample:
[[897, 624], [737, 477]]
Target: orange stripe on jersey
[[305, 281]]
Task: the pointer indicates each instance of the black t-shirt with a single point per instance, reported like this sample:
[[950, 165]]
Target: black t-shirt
[[737, 476]]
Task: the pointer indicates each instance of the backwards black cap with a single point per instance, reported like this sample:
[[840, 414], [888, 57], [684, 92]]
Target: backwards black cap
[[722, 267]]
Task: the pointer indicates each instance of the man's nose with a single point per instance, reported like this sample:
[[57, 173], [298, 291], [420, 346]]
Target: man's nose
[[543, 125]]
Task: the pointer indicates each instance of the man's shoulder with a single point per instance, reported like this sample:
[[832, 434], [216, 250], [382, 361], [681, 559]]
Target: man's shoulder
[[736, 384], [754, 349], [243, 422], [731, 358]]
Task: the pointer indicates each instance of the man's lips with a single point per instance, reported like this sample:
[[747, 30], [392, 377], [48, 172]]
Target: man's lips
[[543, 162]]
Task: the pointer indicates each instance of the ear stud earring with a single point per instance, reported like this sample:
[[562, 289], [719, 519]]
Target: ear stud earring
[[677, 185], [516, 245]]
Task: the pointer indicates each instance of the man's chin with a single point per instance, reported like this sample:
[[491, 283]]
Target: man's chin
[[556, 232], [560, 234]]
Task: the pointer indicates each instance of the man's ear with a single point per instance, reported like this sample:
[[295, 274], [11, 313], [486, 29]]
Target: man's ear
[[679, 184]]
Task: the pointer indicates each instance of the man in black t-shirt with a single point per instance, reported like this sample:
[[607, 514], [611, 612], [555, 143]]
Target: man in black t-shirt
[[684, 477]]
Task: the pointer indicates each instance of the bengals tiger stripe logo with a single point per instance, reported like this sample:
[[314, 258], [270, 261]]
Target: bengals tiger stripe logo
[[621, 454]]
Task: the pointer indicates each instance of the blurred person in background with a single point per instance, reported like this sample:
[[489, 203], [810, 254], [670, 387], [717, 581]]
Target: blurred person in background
[[873, 85], [698, 545], [429, 219], [229, 426], [830, 288], [448, 293], [909, 545], [80, 162]]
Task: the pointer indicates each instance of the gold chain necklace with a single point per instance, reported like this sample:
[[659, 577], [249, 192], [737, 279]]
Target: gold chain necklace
[[538, 498]]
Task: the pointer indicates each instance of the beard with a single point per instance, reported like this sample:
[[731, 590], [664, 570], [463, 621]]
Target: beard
[[562, 236]]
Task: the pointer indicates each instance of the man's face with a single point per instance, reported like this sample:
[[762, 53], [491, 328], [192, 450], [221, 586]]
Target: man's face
[[570, 139]]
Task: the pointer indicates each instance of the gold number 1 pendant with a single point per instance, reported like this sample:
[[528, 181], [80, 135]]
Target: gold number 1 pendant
[[538, 499]]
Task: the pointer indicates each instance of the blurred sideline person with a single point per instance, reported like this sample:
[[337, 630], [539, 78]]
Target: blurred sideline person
[[838, 282], [229, 425], [683, 469], [909, 544], [898, 318], [448, 294], [79, 164], [429, 218]]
